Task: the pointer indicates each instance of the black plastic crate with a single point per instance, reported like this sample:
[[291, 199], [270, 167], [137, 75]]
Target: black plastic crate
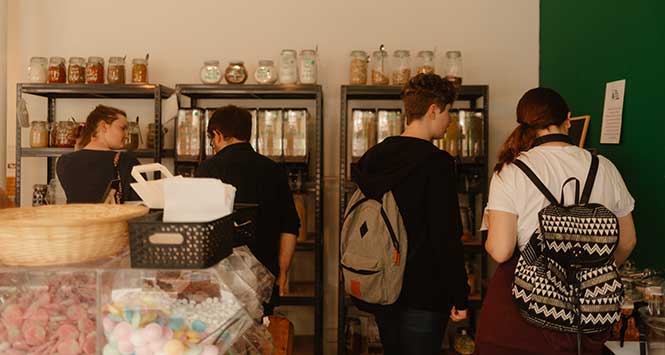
[[244, 223], [158, 245]]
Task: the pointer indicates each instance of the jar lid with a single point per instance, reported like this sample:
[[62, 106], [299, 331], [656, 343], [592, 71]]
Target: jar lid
[[453, 54], [139, 61], [401, 53], [425, 54], [379, 54], [57, 60], [116, 59], [289, 51], [76, 59], [307, 52], [211, 62], [236, 62], [358, 53], [38, 122], [95, 59], [38, 58], [266, 63]]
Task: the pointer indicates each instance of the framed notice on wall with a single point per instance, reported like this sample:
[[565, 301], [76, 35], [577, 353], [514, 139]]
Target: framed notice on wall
[[578, 129]]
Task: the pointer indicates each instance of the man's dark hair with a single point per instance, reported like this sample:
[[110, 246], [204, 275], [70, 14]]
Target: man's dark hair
[[422, 91], [231, 121]]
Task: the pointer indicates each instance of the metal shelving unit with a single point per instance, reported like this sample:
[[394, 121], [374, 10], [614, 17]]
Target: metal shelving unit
[[476, 98], [301, 293], [53, 92]]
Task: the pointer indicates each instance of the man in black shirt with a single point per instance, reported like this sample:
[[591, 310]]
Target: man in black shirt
[[258, 180]]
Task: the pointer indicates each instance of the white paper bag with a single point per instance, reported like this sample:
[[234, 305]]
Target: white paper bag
[[197, 199], [151, 192]]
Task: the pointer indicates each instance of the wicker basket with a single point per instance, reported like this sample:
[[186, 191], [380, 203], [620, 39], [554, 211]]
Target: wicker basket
[[64, 234]]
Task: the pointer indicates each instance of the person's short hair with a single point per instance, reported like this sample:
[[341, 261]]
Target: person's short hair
[[231, 121], [422, 91]]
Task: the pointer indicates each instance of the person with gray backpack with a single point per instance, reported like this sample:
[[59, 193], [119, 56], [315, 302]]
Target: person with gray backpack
[[557, 290], [402, 258]]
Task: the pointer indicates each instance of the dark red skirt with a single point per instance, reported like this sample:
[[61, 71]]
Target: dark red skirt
[[503, 331]]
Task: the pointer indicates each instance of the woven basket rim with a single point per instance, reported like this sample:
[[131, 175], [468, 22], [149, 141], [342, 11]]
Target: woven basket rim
[[19, 217]]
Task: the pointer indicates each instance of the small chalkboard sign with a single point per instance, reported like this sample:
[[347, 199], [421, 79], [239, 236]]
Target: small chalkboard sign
[[578, 129]]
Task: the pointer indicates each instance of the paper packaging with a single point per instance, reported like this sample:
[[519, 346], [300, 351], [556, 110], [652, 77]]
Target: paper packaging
[[151, 192], [197, 199]]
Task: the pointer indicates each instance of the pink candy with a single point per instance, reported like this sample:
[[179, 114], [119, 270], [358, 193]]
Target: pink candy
[[13, 315], [122, 331], [67, 331], [125, 347], [33, 333], [153, 331], [69, 347]]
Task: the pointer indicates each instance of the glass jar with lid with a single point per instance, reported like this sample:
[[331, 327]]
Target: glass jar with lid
[[94, 70], [133, 139], [401, 67], [235, 73], [425, 62], [265, 73], [38, 134], [210, 72], [358, 68], [65, 134], [116, 70], [270, 132], [454, 67], [37, 71], [139, 71], [380, 68], [76, 70], [288, 71], [307, 71], [57, 72]]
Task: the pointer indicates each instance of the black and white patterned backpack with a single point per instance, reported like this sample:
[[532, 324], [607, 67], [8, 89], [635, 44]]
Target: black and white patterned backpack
[[566, 279]]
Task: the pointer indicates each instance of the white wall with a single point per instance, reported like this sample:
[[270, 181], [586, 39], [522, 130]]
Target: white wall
[[498, 39]]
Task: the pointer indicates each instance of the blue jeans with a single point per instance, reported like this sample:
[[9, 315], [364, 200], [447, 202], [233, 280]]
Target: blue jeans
[[411, 331]]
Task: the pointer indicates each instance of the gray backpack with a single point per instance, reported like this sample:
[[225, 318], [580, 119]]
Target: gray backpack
[[373, 248]]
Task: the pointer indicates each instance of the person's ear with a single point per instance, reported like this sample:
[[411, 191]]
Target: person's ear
[[432, 111]]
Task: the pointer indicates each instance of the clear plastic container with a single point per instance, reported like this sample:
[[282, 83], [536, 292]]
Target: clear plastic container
[[401, 67], [57, 72], [288, 67], [37, 71], [295, 133], [308, 66], [116, 70], [270, 132], [380, 68], [188, 135], [358, 68], [390, 123], [76, 70], [210, 72], [425, 62], [363, 131]]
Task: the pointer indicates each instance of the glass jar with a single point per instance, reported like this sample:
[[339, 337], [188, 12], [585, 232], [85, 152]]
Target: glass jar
[[451, 138], [188, 141], [235, 73], [425, 62], [210, 72], [270, 132], [65, 134], [358, 68], [133, 139], [364, 131], [401, 67], [295, 133], [116, 70], [464, 344], [38, 134], [288, 72], [265, 73], [57, 72], [37, 71], [76, 70], [94, 70], [389, 124], [39, 195], [139, 71], [380, 68], [454, 67], [307, 72]]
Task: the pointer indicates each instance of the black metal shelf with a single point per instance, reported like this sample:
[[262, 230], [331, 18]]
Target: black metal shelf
[[249, 91], [56, 152], [474, 98], [97, 91]]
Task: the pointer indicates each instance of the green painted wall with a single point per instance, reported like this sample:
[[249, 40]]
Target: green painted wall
[[583, 45]]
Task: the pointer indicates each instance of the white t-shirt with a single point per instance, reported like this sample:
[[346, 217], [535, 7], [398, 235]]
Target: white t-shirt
[[512, 191]]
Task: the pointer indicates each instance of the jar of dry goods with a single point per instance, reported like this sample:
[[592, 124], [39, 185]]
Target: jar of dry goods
[[425, 62], [288, 70], [265, 73], [39, 195], [116, 70], [38, 134], [235, 73], [139, 71], [210, 72], [76, 70], [358, 68], [380, 68], [57, 72], [133, 139], [94, 70], [37, 70], [454, 67], [402, 67], [307, 68], [65, 134]]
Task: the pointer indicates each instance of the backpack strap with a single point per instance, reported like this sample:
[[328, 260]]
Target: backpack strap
[[591, 177], [536, 181]]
